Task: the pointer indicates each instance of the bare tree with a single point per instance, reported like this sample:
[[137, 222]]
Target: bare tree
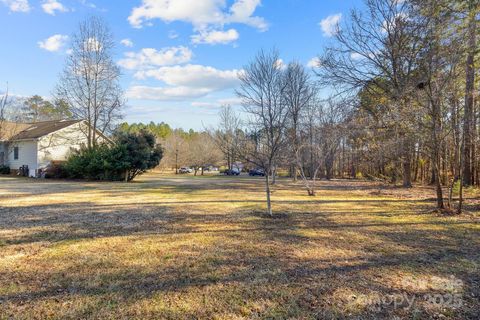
[[308, 151], [298, 94], [3, 105], [379, 50], [176, 151], [321, 131], [438, 63], [3, 110], [333, 115], [227, 136], [90, 80], [203, 151], [262, 91]]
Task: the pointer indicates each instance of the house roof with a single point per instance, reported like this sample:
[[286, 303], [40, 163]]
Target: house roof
[[25, 131]]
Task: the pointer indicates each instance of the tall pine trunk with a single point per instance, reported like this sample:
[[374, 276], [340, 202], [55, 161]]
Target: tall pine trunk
[[469, 96]]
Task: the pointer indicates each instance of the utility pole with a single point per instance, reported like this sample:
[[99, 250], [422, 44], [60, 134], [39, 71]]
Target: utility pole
[[176, 161]]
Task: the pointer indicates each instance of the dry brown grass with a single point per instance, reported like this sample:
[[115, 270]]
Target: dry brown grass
[[188, 248]]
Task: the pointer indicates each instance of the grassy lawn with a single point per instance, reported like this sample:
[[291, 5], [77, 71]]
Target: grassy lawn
[[200, 248]]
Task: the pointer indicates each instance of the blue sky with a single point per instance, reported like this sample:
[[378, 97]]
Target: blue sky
[[179, 58]]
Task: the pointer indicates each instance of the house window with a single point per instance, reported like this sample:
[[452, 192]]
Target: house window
[[15, 153]]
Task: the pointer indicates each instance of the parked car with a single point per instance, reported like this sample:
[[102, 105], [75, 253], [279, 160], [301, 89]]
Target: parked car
[[185, 170], [256, 172], [231, 172], [210, 168]]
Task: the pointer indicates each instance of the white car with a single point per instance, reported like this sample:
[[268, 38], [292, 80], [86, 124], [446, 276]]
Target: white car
[[185, 170]]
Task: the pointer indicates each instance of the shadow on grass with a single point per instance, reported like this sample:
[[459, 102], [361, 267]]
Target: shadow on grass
[[237, 263]]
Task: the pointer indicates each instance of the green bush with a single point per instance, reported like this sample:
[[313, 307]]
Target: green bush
[[4, 169], [131, 155]]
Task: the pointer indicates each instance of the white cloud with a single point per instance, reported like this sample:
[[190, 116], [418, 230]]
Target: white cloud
[[217, 103], [88, 4], [191, 75], [230, 101], [184, 82], [314, 62], [329, 25], [242, 11], [356, 56], [17, 5], [214, 37], [165, 93], [150, 58], [172, 34], [53, 43], [279, 64], [201, 14], [50, 6], [127, 43], [202, 104]]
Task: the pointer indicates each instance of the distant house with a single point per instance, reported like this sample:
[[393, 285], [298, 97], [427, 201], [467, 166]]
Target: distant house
[[37, 144]]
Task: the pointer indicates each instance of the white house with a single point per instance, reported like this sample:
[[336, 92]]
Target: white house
[[37, 144]]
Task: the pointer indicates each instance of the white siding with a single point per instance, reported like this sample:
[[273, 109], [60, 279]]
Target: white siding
[[27, 155], [58, 145]]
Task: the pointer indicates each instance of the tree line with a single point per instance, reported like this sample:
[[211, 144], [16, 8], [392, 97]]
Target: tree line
[[402, 103]]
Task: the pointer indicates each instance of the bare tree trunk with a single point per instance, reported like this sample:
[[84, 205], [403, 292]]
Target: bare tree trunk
[[474, 147], [417, 164], [460, 175], [89, 136], [176, 161], [436, 149], [407, 173], [407, 166], [274, 175], [433, 177], [469, 97], [94, 133], [460, 191], [353, 169], [342, 160], [267, 190], [438, 188], [329, 166]]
